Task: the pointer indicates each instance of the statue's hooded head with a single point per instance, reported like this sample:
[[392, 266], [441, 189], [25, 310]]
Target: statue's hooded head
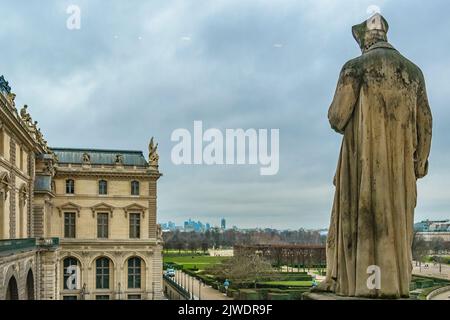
[[371, 31]]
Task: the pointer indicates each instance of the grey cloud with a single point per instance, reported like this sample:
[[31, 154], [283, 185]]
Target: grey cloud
[[88, 88]]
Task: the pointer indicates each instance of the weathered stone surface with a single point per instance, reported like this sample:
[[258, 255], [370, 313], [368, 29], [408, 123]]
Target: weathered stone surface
[[381, 108]]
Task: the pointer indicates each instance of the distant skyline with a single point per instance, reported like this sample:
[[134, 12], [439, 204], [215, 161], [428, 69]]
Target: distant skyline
[[138, 69]]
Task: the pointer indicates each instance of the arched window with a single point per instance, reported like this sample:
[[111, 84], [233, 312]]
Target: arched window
[[102, 187], [30, 286], [134, 273], [72, 274], [70, 186], [134, 188], [102, 271], [11, 292]]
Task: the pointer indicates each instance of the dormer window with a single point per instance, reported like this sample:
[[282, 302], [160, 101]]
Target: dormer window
[[103, 187], [70, 186]]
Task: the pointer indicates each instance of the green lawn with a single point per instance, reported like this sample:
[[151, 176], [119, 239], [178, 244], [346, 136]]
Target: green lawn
[[189, 262], [288, 283]]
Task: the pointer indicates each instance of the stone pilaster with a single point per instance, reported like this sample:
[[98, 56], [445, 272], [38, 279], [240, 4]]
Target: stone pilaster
[[157, 271], [152, 229], [12, 192], [38, 221], [31, 173], [48, 271]]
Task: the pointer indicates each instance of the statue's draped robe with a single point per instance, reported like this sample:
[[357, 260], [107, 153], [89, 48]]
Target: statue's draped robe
[[381, 108]]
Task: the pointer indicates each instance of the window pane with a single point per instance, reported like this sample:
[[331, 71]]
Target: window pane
[[102, 187], [135, 225], [70, 186], [69, 225], [102, 273], [135, 188], [102, 225], [134, 273]]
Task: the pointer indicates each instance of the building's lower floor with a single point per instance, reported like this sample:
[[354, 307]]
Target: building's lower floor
[[82, 270]]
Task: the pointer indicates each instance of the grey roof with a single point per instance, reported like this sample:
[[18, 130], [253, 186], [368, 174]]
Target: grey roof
[[99, 156]]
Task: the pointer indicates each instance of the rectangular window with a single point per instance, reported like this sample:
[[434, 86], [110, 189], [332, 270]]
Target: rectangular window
[[102, 225], [102, 187], [102, 297], [69, 225], [70, 186], [70, 298], [135, 225], [134, 188], [134, 297]]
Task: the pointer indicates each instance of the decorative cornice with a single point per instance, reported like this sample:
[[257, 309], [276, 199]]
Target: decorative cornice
[[105, 173], [14, 123]]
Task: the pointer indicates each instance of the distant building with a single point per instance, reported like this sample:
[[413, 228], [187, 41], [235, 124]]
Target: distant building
[[187, 226], [223, 224], [430, 230], [169, 226], [432, 226]]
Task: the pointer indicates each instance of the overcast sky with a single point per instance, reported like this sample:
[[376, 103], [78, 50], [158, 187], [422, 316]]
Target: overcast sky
[[138, 69]]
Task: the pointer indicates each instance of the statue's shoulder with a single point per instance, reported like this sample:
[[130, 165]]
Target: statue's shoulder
[[410, 67], [352, 67]]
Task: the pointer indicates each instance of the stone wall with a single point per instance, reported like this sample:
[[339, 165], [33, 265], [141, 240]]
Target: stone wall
[[18, 266]]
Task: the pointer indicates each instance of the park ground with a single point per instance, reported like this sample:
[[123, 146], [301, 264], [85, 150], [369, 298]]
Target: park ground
[[288, 284]]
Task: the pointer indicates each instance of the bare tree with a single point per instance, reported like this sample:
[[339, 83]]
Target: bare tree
[[419, 248], [243, 268]]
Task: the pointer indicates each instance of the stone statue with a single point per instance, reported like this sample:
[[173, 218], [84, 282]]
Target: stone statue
[[25, 115], [381, 109], [33, 127], [86, 158], [4, 86], [12, 99], [119, 159], [153, 156]]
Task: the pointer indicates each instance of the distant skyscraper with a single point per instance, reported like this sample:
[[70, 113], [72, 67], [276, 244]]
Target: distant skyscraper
[[223, 224]]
